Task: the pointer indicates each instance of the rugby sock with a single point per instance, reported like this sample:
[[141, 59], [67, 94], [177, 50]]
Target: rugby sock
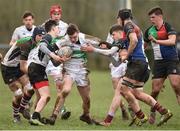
[[140, 114], [153, 110], [160, 109], [108, 118], [15, 110], [24, 101]]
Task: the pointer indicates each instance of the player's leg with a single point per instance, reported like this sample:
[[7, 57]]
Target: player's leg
[[16, 100], [36, 98], [157, 85], [159, 76], [84, 92], [27, 95], [83, 86], [113, 107], [140, 117], [133, 79], [175, 83], [122, 106], [10, 76], [56, 74], [44, 99], [68, 82], [59, 85], [149, 100], [116, 74], [173, 72]]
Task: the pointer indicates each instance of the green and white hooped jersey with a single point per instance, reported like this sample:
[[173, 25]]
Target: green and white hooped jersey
[[78, 59]]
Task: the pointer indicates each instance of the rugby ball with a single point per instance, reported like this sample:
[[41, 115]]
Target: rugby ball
[[65, 51]]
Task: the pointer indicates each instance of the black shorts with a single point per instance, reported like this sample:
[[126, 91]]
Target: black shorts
[[37, 75], [162, 68], [137, 70], [11, 74]]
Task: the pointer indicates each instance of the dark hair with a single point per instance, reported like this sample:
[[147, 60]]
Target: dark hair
[[72, 28], [115, 27], [156, 10], [125, 14], [49, 24], [27, 14]]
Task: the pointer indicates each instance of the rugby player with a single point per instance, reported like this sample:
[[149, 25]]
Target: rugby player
[[118, 70], [137, 72], [24, 30], [14, 77], [51, 70], [76, 71], [162, 37], [36, 70]]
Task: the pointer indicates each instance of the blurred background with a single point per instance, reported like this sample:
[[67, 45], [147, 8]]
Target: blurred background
[[93, 17]]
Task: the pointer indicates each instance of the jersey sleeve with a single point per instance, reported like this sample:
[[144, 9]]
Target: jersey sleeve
[[170, 29], [15, 35]]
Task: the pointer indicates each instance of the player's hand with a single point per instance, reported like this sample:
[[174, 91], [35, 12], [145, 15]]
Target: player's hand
[[151, 38], [64, 58], [55, 57], [123, 54], [88, 48]]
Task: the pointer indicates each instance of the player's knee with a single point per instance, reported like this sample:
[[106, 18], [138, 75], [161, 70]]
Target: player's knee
[[65, 92], [18, 95], [46, 98], [176, 85]]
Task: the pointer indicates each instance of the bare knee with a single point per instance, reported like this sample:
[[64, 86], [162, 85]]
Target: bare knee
[[65, 92], [46, 98]]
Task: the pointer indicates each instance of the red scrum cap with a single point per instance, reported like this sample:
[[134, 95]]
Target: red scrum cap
[[55, 8]]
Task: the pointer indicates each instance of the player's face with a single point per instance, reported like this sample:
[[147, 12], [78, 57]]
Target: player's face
[[74, 38], [56, 16], [119, 21], [28, 22], [38, 38], [117, 35], [155, 19], [103, 46], [56, 30]]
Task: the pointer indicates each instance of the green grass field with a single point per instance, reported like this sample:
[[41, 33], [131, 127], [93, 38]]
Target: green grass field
[[101, 96]]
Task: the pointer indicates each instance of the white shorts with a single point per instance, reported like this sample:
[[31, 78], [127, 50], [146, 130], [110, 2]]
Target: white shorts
[[78, 73], [80, 79], [117, 72], [51, 70]]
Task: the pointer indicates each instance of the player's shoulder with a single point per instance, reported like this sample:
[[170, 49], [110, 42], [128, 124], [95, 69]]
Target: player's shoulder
[[20, 28], [63, 24]]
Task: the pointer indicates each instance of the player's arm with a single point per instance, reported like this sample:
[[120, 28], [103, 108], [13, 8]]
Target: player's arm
[[107, 52], [168, 42], [132, 42], [92, 39], [171, 37], [25, 50], [129, 30], [14, 37]]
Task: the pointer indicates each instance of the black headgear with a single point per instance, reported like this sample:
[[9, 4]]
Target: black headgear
[[38, 31], [125, 14]]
